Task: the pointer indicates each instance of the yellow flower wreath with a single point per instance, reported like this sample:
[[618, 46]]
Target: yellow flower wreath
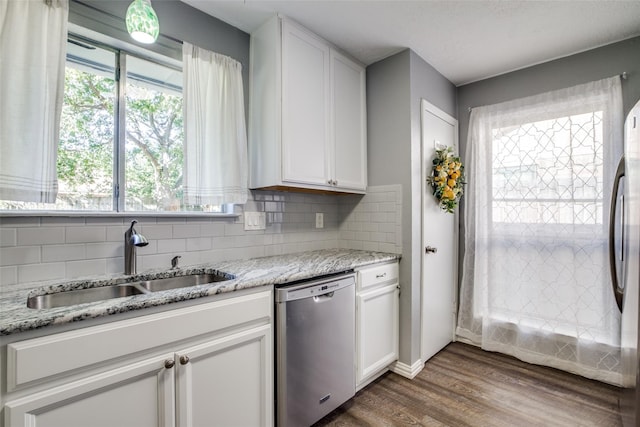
[[447, 179]]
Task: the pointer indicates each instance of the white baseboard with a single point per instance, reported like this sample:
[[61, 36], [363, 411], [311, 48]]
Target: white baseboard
[[408, 371]]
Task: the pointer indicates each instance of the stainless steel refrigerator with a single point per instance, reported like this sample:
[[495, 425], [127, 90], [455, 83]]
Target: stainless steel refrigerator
[[624, 247]]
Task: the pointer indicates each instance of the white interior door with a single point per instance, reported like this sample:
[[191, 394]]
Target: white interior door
[[440, 236]]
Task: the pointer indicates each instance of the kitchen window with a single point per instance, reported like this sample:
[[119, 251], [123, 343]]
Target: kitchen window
[[121, 135], [550, 172], [535, 281]]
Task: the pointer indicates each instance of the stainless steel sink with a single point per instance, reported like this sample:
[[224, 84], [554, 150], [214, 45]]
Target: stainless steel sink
[[180, 282], [81, 296]]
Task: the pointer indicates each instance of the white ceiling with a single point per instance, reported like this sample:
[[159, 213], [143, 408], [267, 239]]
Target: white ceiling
[[465, 41]]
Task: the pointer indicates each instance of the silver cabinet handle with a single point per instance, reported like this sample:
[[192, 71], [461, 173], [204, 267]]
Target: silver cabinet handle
[[184, 359], [169, 363], [617, 291], [380, 276], [430, 250]]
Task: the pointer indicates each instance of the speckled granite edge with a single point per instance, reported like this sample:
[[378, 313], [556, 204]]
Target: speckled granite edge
[[15, 317]]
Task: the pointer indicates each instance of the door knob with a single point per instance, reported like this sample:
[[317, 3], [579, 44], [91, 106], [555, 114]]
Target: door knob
[[430, 250]]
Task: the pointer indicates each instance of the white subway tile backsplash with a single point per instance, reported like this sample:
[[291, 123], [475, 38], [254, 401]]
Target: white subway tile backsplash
[[186, 230], [8, 237], [39, 248], [147, 262], [8, 276], [109, 220], [40, 235], [115, 233], [155, 231], [114, 265], [19, 255], [38, 272], [234, 229], [171, 245], [370, 246], [199, 244], [104, 250], [52, 253], [373, 222], [61, 221], [214, 229], [86, 267], [87, 234], [20, 221], [190, 258]]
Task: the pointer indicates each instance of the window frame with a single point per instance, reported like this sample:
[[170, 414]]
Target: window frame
[[121, 51]]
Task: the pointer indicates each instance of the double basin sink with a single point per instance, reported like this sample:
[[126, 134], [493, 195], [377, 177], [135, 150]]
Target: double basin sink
[[125, 289]]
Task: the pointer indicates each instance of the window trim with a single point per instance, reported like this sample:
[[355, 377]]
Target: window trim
[[129, 214]]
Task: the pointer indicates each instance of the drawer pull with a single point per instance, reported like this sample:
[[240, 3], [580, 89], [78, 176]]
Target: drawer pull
[[169, 363], [184, 360], [380, 276]]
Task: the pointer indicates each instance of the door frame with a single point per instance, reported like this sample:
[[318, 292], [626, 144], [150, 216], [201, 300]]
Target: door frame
[[428, 108]]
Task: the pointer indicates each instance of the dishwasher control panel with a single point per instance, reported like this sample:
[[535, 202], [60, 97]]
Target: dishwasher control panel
[[313, 288]]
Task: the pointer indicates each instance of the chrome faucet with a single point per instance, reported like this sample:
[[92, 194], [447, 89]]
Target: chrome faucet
[[132, 240]]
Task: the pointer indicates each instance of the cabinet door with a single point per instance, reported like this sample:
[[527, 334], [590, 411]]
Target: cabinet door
[[305, 106], [377, 330], [227, 382], [349, 123], [138, 395]]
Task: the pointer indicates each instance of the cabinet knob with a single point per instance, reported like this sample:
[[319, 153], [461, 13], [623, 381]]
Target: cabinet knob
[[330, 182], [430, 250], [184, 359], [380, 276], [169, 363]]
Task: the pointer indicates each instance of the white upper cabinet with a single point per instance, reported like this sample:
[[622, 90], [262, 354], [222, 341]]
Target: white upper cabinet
[[307, 120], [305, 107], [348, 123]]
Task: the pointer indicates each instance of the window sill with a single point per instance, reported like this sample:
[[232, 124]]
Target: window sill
[[94, 214]]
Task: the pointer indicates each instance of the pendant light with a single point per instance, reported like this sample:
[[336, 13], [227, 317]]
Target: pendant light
[[142, 21]]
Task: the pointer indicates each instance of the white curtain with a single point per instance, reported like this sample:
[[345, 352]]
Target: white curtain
[[33, 40], [215, 148], [535, 280]]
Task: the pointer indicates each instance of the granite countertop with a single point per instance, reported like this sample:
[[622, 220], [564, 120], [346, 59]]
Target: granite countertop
[[16, 317]]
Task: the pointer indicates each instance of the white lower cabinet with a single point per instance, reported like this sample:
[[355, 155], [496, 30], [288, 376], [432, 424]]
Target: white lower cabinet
[[377, 323], [223, 377], [226, 382], [140, 395]]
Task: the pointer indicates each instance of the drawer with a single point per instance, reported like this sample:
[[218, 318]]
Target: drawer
[[61, 354], [371, 277]]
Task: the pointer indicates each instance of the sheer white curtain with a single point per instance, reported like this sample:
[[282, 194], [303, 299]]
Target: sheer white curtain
[[33, 40], [535, 280], [215, 147]]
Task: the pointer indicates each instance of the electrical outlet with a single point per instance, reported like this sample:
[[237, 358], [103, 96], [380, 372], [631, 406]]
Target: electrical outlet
[[255, 221], [319, 220]]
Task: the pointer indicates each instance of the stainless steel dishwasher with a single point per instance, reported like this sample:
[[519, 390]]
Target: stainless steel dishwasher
[[315, 348]]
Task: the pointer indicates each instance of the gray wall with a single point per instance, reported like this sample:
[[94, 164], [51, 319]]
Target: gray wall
[[178, 22], [395, 86], [584, 67]]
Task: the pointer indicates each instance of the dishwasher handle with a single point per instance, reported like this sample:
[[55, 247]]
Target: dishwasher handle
[[323, 297]]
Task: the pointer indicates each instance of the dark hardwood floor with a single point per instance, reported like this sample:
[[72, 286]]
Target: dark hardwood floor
[[465, 386]]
